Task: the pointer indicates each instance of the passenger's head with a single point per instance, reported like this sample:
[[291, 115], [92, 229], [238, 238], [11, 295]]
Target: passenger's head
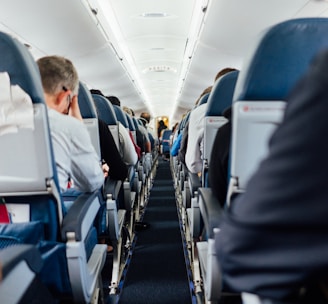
[[114, 100], [127, 110], [96, 92], [146, 116], [223, 72], [60, 82], [58, 73]]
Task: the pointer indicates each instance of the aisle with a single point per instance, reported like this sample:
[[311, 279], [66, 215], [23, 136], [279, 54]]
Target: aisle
[[157, 272]]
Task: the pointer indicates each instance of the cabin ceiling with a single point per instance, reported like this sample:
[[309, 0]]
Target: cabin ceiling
[[154, 71]]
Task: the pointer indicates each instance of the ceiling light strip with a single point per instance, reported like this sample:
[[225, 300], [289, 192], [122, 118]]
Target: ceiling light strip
[[107, 23]]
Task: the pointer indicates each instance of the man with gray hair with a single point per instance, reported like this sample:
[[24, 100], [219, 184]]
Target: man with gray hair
[[76, 159]]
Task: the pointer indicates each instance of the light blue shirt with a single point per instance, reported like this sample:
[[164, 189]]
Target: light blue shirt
[[74, 153]]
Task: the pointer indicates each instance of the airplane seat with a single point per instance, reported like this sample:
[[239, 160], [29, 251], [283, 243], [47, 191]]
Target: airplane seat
[[203, 99], [89, 115], [121, 117], [219, 100], [137, 180], [132, 127], [191, 180], [29, 185], [205, 213], [275, 63], [111, 187], [106, 113], [130, 189], [166, 142], [142, 176], [261, 89], [20, 267]]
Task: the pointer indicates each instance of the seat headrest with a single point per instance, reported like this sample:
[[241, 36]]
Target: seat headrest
[[221, 95], [17, 61], [135, 122], [121, 116], [105, 109], [280, 57], [86, 103], [203, 99], [130, 122]]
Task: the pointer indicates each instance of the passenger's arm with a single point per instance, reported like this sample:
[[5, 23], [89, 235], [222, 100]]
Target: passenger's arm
[[193, 159], [74, 110], [130, 156], [109, 152], [87, 174]]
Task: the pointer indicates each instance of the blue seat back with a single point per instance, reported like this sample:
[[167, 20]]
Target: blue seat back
[[27, 168], [277, 61], [203, 99], [121, 117], [219, 100], [130, 122], [106, 113], [105, 109], [166, 140], [221, 95], [89, 115]]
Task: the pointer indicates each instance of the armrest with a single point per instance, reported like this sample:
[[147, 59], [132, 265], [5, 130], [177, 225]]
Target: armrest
[[194, 182], [112, 187], [131, 172], [80, 217], [11, 256], [210, 209]]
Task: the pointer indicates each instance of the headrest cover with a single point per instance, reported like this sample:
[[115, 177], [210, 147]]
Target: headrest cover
[[86, 103], [105, 109], [221, 95], [280, 57], [17, 61]]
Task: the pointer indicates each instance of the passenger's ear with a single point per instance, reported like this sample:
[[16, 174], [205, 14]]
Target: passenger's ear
[[62, 95]]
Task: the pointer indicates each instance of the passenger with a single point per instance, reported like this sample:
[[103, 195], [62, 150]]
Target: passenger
[[75, 156], [127, 150], [161, 127], [194, 151], [141, 140], [150, 141], [218, 170], [114, 100], [110, 154], [136, 147], [145, 118], [185, 136], [176, 140], [273, 238], [183, 144]]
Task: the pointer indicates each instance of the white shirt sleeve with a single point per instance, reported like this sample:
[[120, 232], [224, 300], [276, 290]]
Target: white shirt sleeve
[[74, 153], [130, 156], [194, 150], [87, 174]]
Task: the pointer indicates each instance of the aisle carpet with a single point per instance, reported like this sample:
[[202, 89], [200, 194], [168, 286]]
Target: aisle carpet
[[157, 273]]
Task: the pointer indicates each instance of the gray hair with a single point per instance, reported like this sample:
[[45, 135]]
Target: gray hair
[[58, 73]]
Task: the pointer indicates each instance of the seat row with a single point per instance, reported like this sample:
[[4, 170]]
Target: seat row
[[257, 98], [66, 239]]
